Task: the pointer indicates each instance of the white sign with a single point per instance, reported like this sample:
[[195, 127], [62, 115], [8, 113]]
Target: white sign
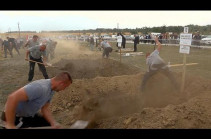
[[185, 29], [184, 49], [185, 42], [185, 39], [119, 38]]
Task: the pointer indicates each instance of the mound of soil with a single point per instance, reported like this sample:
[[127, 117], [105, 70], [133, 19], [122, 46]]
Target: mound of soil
[[105, 101], [91, 68], [194, 113]]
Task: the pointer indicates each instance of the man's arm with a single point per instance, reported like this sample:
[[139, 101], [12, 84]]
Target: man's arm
[[27, 54], [2, 46], [11, 104], [45, 110], [159, 44], [27, 43], [45, 60]]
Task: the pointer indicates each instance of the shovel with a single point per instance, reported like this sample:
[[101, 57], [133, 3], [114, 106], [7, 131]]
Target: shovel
[[79, 124], [48, 65]]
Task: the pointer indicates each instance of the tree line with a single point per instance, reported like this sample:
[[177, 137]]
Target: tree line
[[203, 30]]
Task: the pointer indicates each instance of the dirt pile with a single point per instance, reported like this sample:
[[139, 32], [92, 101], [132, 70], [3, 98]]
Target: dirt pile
[[194, 113], [91, 68], [107, 101]]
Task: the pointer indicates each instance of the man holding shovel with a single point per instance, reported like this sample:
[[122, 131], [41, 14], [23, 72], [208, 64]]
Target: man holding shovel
[[29, 106], [156, 63], [106, 48], [35, 53]]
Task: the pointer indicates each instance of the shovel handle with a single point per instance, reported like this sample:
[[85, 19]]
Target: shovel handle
[[34, 61]]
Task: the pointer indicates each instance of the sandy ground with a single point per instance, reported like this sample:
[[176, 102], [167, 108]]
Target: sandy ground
[[107, 93]]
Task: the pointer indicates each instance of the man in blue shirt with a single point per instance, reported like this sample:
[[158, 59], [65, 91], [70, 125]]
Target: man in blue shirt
[[29, 106], [35, 53], [156, 63], [106, 48], [32, 42]]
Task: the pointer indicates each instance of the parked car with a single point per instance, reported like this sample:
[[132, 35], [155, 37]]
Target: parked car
[[128, 37], [83, 37], [114, 37], [106, 37], [206, 40]]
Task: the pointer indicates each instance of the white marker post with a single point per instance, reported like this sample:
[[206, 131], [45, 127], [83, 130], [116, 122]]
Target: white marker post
[[185, 43], [119, 41]]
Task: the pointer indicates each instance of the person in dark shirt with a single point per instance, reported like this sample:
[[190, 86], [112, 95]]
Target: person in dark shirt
[[136, 41], [123, 40], [6, 46], [91, 43], [13, 44]]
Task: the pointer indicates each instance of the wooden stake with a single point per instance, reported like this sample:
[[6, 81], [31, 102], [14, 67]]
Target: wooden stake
[[183, 74], [176, 65]]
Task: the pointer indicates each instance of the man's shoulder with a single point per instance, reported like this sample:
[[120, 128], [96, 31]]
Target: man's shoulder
[[38, 83], [156, 51]]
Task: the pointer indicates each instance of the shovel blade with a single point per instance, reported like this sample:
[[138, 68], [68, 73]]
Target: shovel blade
[[79, 124]]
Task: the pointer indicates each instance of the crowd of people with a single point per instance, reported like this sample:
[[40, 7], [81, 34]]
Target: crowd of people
[[10, 43]]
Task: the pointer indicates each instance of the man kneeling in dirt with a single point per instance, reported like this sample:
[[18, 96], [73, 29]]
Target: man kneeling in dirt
[[29, 106], [155, 64], [106, 48]]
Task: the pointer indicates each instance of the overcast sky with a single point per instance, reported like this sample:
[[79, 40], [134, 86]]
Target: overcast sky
[[79, 20]]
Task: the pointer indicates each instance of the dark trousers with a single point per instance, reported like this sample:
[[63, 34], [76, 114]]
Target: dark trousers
[[106, 51], [50, 55], [24, 122], [165, 71], [123, 45], [41, 67], [15, 46], [5, 51], [135, 47]]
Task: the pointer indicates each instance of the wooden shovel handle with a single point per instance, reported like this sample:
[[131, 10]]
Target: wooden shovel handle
[[34, 61]]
